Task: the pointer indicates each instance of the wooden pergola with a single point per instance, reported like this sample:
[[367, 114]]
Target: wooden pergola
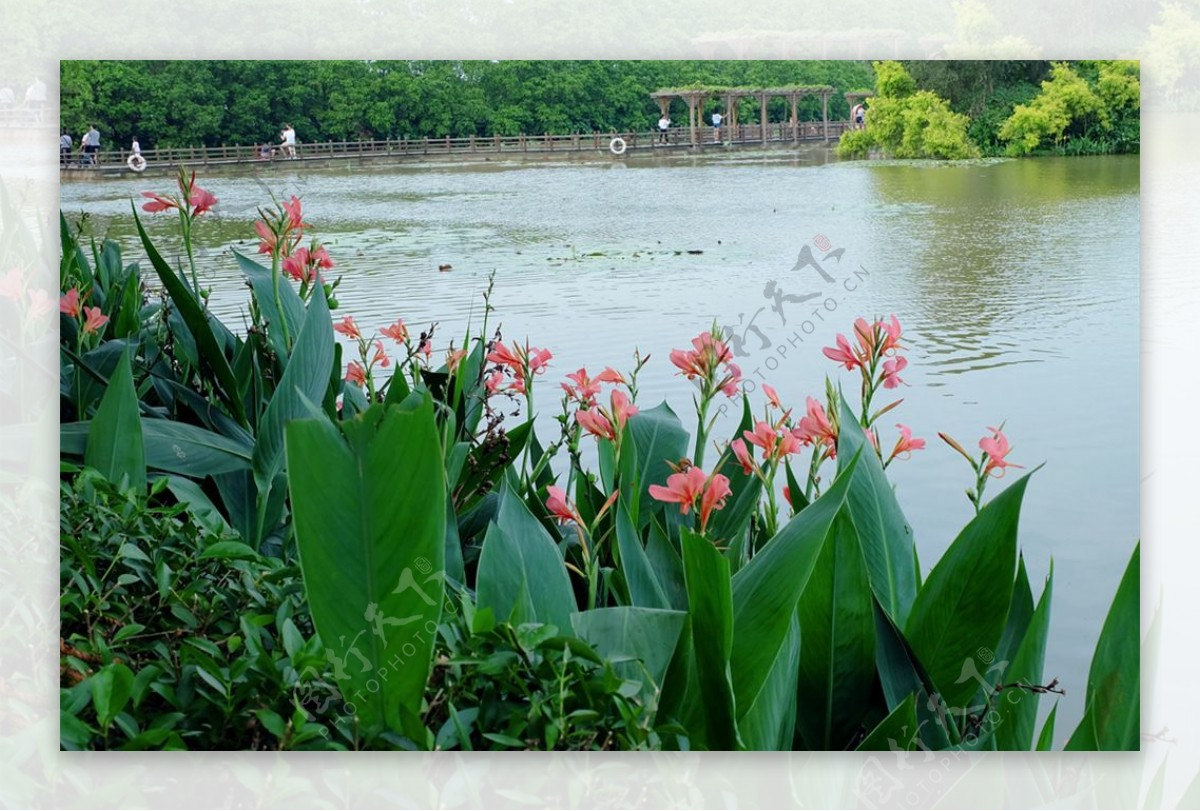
[[695, 97]]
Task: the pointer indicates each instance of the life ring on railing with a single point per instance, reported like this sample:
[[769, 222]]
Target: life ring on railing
[[617, 146], [137, 163]]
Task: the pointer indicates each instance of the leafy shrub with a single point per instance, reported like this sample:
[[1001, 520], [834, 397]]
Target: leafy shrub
[[1095, 105], [905, 122], [176, 635]]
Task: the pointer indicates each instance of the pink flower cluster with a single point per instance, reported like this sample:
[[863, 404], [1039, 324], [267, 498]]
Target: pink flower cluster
[[692, 488], [710, 359], [875, 341], [192, 201], [516, 367], [69, 305]]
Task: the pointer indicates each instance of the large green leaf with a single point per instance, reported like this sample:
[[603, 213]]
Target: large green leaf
[[896, 732], [667, 565], [837, 661], [370, 511], [640, 578], [304, 381], [1045, 741], [115, 446], [959, 616], [901, 676], [765, 595], [710, 598], [174, 447], [885, 535], [1017, 708], [1112, 714], [263, 285], [638, 641], [199, 326], [522, 559], [660, 439], [769, 724]]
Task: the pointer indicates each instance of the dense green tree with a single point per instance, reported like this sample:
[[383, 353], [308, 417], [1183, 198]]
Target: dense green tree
[[1090, 108], [904, 122]]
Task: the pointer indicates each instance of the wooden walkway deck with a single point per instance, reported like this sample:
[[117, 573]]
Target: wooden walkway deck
[[166, 161]]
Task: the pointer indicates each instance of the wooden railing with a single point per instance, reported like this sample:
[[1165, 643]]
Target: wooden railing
[[780, 132]]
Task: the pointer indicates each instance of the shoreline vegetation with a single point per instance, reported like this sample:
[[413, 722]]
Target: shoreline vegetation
[[283, 540], [919, 109]]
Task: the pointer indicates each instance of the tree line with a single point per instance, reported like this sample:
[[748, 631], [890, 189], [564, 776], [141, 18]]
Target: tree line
[[209, 103]]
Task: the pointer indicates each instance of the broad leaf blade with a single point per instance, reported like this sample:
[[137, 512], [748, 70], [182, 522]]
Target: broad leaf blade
[[1018, 707], [370, 512], [640, 578], [523, 557], [896, 732], [767, 590], [114, 441], [959, 616], [837, 660], [639, 641], [1112, 718], [885, 535], [710, 598]]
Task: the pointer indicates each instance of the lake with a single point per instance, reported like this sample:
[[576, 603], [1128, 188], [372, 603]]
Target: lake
[[1016, 282]]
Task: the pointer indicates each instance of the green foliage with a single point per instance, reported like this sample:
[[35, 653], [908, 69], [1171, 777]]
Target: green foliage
[[175, 635], [422, 582], [170, 104], [904, 122], [1093, 104]]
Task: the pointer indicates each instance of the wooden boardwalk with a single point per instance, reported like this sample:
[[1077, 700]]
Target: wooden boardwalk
[[114, 163]]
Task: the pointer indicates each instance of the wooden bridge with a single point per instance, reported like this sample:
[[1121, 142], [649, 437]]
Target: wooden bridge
[[114, 163]]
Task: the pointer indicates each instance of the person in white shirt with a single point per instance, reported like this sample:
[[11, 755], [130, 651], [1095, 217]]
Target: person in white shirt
[[64, 148], [91, 145], [137, 148], [664, 124], [716, 119], [35, 98], [288, 137]]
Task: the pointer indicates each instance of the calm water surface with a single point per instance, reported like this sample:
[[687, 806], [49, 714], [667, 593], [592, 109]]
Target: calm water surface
[[1016, 283]]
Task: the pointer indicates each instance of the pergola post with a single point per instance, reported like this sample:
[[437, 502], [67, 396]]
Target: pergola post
[[825, 113], [691, 100], [762, 115], [795, 119], [664, 104], [700, 112]]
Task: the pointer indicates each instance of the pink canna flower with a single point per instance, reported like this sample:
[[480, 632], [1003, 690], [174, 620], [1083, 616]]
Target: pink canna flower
[[622, 409], [538, 359], [595, 423], [381, 356], [772, 395], [503, 355], [267, 240], [397, 332], [454, 357], [495, 382], [69, 303], [559, 507], [787, 496], [906, 444], [158, 202], [996, 447], [356, 374], [843, 353], [291, 207], [682, 488], [742, 454], [348, 328], [891, 372], [610, 375], [95, 320], [584, 389], [715, 493], [815, 428], [201, 200], [891, 335], [693, 488], [732, 381]]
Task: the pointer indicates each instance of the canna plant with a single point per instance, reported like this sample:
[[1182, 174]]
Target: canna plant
[[763, 601]]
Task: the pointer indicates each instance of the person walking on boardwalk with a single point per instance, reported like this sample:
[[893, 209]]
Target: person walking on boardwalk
[[288, 139], [64, 149], [716, 119], [664, 124], [91, 146]]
